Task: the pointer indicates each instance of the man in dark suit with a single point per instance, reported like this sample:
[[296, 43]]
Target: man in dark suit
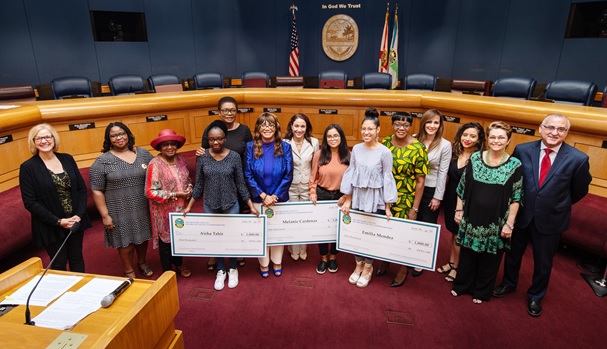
[[550, 189]]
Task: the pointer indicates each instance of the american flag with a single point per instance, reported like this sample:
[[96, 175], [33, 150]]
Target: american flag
[[294, 56]]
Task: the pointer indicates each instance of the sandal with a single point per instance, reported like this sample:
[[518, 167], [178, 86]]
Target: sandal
[[130, 274], [264, 273], [240, 262], [477, 301], [278, 271], [184, 271], [443, 270], [145, 269], [451, 277]]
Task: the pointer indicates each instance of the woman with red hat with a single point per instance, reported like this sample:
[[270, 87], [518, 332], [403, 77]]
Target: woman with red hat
[[169, 188]]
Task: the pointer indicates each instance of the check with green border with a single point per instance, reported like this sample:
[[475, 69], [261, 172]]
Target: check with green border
[[218, 235], [294, 223], [398, 240]]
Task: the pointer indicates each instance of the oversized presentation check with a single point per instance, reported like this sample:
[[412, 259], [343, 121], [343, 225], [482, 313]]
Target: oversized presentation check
[[293, 223], [398, 240], [220, 235]]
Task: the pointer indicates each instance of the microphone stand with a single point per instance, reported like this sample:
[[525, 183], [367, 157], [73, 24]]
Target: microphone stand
[[28, 316]]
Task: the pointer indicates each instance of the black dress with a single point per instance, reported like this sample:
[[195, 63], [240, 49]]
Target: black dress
[[450, 198]]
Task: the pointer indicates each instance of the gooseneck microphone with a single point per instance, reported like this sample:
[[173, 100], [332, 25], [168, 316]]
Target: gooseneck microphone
[[28, 316], [109, 299]]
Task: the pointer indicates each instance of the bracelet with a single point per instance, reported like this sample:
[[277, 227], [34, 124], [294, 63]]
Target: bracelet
[[459, 210], [59, 222], [415, 209], [509, 226]]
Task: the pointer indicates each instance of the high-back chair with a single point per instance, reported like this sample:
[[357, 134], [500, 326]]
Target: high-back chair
[[332, 79], [571, 92], [71, 87], [165, 83], [126, 84], [255, 79], [420, 81], [204, 81], [521, 88], [377, 81]]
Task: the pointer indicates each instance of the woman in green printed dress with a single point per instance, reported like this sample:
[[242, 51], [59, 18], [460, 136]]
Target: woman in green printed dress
[[409, 169]]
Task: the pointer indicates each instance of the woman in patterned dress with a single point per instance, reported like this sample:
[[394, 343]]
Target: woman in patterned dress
[[169, 188], [488, 198], [118, 186], [410, 167]]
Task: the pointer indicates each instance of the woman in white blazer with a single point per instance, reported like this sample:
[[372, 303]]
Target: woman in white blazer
[[299, 135]]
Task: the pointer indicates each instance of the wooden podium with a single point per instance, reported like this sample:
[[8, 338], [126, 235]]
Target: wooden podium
[[142, 317]]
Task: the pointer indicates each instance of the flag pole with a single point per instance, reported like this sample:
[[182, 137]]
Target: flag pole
[[293, 8]]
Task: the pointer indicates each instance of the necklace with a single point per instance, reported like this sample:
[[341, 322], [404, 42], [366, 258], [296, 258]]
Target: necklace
[[502, 160], [174, 163]]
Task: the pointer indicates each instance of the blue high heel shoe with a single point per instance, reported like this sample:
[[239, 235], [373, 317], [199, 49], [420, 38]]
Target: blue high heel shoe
[[264, 273], [277, 272]]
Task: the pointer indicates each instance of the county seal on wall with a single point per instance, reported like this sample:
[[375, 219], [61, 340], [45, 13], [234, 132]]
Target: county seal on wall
[[340, 37]]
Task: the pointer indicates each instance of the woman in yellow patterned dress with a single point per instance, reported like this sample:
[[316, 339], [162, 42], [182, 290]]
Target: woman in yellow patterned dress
[[409, 169]]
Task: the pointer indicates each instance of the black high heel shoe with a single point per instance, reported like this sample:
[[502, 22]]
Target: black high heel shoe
[[399, 284], [383, 267]]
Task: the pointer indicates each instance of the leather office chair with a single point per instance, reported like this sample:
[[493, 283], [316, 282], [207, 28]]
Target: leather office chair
[[126, 84], [571, 92], [255, 79], [420, 82], [377, 81], [332, 79], [604, 100], [203, 81], [521, 88], [16, 94], [71, 87], [171, 82]]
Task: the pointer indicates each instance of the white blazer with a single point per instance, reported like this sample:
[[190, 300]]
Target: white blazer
[[302, 160]]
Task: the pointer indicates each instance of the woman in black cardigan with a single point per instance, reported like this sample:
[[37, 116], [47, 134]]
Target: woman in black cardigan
[[53, 190]]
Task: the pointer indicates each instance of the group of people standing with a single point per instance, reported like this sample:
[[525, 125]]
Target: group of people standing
[[493, 202]]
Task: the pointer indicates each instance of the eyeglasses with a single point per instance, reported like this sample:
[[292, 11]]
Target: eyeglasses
[[168, 144], [218, 140], [370, 129], [333, 137], [43, 138], [554, 128], [498, 138], [267, 126], [118, 135], [228, 111], [398, 125]]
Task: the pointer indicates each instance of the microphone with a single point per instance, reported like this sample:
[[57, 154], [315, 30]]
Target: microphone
[[28, 316], [109, 299]]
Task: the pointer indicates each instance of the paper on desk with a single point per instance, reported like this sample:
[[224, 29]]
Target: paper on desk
[[72, 307], [51, 287]]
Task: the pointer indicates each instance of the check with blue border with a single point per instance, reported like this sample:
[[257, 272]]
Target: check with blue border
[[218, 235], [294, 223], [398, 240]]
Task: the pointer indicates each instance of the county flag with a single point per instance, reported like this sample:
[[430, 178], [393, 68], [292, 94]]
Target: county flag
[[294, 55], [393, 65], [383, 48]]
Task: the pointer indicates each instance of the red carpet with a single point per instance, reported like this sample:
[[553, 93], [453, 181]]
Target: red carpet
[[304, 310]]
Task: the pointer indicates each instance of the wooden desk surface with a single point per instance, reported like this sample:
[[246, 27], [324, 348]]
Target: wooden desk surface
[[141, 317]]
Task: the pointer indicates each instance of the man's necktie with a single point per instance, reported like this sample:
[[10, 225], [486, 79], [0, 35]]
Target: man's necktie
[[545, 166]]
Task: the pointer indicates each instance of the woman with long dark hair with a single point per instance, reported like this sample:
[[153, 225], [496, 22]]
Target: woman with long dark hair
[[328, 167]]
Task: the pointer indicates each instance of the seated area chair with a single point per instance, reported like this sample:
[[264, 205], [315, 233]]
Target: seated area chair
[[521, 88], [255, 79], [165, 83], [377, 81], [289, 82], [203, 81], [126, 84], [604, 100], [332, 79], [71, 87], [420, 81], [571, 92]]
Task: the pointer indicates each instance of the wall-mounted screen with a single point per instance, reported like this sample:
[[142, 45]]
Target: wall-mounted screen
[[587, 20], [118, 26]]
